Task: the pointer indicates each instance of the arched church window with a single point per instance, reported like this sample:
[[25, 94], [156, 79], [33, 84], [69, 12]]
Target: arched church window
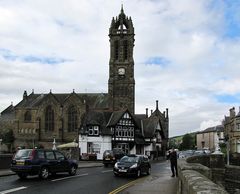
[[27, 116], [116, 49], [72, 119], [49, 119]]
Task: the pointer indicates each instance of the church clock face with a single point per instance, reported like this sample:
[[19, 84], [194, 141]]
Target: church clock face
[[121, 71]]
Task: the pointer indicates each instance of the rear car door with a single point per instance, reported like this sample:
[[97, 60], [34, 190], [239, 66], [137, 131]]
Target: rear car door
[[62, 162], [51, 160]]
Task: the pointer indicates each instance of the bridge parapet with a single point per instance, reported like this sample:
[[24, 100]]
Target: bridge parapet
[[194, 178]]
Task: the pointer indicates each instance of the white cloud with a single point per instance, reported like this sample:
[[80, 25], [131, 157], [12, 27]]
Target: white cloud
[[188, 34]]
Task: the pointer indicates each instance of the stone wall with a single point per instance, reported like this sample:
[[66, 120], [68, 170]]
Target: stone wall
[[232, 179], [195, 178]]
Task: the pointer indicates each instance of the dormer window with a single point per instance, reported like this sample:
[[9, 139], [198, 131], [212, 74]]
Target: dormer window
[[93, 130]]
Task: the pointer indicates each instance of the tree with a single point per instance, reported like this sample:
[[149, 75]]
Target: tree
[[188, 142]]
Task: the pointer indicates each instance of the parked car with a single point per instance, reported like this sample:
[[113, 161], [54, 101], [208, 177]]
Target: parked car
[[112, 156], [185, 153], [199, 152], [132, 165], [41, 162]]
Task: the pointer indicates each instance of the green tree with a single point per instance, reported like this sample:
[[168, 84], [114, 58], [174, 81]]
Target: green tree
[[188, 142]]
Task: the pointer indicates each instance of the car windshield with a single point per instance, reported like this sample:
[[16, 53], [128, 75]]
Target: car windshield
[[107, 152], [132, 159], [23, 154]]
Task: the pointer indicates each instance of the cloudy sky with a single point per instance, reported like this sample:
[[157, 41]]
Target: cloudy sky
[[187, 53]]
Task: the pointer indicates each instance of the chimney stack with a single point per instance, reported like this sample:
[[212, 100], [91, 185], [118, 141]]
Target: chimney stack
[[166, 112], [146, 112], [25, 94], [156, 104]]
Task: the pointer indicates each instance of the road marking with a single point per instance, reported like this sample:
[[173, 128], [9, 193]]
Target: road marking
[[12, 190], [126, 186], [107, 171], [69, 177]]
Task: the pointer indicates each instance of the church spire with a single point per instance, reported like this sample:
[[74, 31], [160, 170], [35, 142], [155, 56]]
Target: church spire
[[122, 12]]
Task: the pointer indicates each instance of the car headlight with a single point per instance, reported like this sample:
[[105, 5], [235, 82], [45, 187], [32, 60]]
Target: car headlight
[[134, 166], [116, 165]]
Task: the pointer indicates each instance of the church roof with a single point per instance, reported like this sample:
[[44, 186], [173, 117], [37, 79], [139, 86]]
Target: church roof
[[8, 110], [93, 100], [8, 113]]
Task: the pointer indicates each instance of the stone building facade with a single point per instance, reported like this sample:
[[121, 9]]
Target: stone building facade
[[232, 130], [39, 118], [206, 139]]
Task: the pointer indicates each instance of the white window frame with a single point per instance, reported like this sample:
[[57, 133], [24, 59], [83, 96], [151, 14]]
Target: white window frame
[[90, 130], [96, 130]]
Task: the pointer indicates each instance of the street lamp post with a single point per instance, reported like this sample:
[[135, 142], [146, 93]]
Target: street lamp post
[[54, 144]]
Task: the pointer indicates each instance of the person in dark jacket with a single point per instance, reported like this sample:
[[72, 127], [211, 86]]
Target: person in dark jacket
[[173, 161]]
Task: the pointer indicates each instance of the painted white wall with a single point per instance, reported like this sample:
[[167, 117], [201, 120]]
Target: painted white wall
[[133, 150], [148, 148], [104, 142]]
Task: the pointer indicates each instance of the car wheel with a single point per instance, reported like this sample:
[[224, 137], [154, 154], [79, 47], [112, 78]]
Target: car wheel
[[138, 174], [73, 170], [44, 173], [149, 171], [115, 174], [22, 175]]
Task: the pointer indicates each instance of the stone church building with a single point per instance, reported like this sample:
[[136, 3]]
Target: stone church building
[[99, 121]]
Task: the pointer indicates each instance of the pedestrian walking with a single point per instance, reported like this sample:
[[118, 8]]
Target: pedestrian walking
[[173, 162]]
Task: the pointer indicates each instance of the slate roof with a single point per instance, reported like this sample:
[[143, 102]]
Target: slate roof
[[8, 110], [93, 100], [8, 113], [99, 118], [157, 113], [149, 125], [115, 117], [213, 129]]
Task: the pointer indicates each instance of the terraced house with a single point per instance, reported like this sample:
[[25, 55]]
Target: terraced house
[[99, 121]]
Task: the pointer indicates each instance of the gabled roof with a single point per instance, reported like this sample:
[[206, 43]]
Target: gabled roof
[[149, 126], [157, 113], [99, 118], [115, 117]]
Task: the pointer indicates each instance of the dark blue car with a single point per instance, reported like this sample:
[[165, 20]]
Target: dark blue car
[[41, 162]]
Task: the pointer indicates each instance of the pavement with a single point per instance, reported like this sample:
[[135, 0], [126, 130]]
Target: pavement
[[153, 184]]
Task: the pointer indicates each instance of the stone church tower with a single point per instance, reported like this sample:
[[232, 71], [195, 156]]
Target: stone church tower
[[121, 83]]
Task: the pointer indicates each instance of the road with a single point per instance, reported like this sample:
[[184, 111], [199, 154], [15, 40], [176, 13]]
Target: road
[[96, 180], [99, 180]]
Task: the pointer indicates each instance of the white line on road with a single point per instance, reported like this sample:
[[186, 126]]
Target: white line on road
[[12, 190], [69, 177], [107, 171]]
